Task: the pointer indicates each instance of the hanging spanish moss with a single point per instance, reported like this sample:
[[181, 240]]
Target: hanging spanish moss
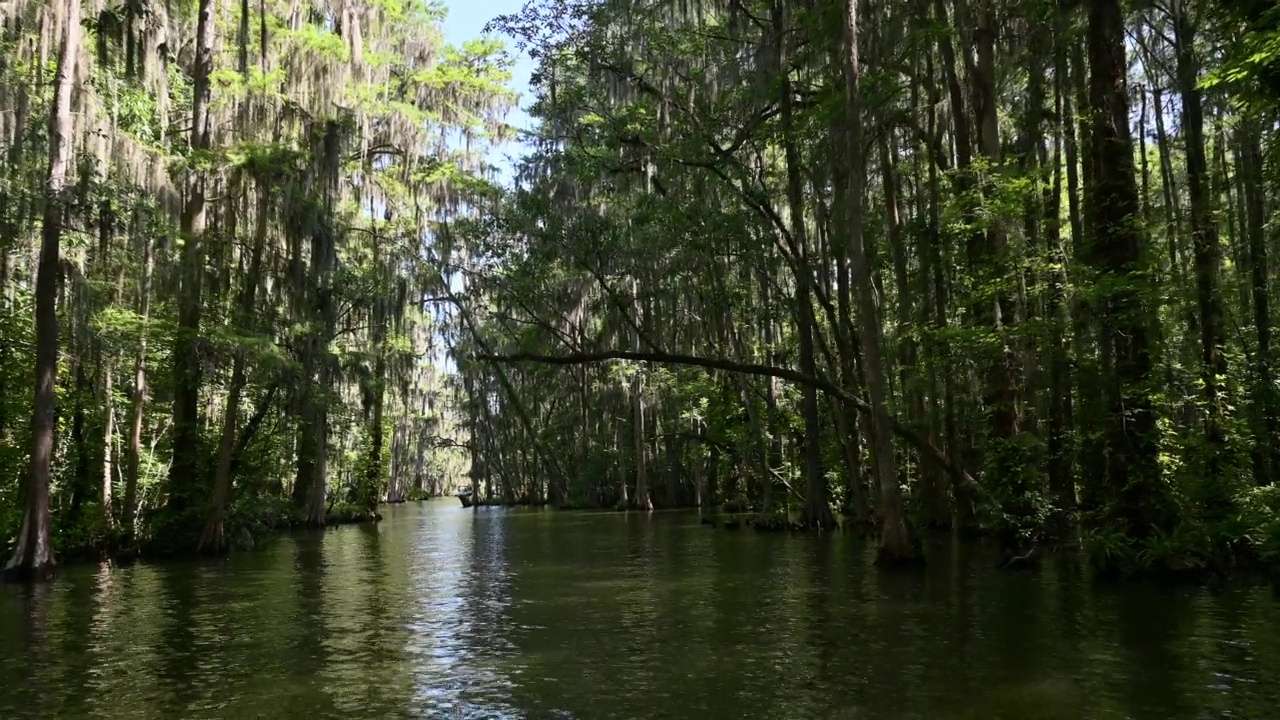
[[246, 244], [901, 266], [992, 267]]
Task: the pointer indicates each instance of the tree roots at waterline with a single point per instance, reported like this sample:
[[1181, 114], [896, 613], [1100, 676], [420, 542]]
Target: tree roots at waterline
[[898, 547], [32, 559]]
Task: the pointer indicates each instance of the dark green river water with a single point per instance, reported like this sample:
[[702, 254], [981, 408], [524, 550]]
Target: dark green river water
[[440, 613]]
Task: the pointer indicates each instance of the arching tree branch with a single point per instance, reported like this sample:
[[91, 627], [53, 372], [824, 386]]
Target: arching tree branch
[[926, 448]]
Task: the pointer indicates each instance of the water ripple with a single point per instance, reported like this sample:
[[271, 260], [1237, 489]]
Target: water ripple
[[445, 613]]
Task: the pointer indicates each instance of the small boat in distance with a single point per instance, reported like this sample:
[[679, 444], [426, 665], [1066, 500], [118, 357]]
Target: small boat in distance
[[465, 495]]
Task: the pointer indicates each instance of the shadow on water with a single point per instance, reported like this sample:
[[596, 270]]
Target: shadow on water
[[178, 650], [1150, 626], [25, 624], [443, 612], [308, 652]]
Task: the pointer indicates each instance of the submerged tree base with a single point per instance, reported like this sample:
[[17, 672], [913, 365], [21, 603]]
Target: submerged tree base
[[240, 536], [899, 545], [32, 559], [774, 523], [890, 559], [42, 572]]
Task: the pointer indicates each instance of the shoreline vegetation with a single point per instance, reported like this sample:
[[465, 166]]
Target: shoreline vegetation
[[731, 518], [996, 269]]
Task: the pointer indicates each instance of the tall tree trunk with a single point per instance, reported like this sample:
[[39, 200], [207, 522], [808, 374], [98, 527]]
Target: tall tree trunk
[[817, 512], [185, 468], [906, 351], [106, 496], [33, 555], [370, 492], [1061, 483], [1169, 188], [642, 499], [1117, 249], [772, 416], [963, 136], [619, 447], [322, 253], [1142, 155], [1266, 453], [213, 537], [896, 541], [373, 463], [1228, 187], [1004, 459], [80, 481], [137, 405], [935, 254], [1204, 230], [1085, 378], [6, 303]]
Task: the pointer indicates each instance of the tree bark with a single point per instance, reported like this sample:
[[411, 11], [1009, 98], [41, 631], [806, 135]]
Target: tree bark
[[137, 408], [33, 555], [1266, 454], [213, 537], [185, 467], [1206, 249], [1061, 482], [817, 510], [896, 541], [1117, 250]]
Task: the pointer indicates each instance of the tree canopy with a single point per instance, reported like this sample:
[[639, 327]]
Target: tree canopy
[[993, 265]]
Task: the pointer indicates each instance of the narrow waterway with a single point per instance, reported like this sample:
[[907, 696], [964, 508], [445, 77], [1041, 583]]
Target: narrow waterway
[[439, 612]]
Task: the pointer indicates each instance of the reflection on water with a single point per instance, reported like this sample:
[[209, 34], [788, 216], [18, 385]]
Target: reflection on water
[[439, 612]]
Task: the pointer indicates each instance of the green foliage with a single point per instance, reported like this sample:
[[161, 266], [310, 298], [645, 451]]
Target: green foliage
[[324, 313], [16, 338], [1017, 508], [417, 495], [371, 483], [346, 512], [1252, 66], [91, 533], [1257, 522], [323, 42], [657, 209], [259, 514], [1110, 550]]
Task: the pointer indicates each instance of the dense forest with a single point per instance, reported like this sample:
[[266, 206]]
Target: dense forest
[[993, 266], [216, 227], [974, 264]]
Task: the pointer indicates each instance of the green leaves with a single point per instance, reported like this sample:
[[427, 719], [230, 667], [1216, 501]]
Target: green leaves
[[1251, 71]]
